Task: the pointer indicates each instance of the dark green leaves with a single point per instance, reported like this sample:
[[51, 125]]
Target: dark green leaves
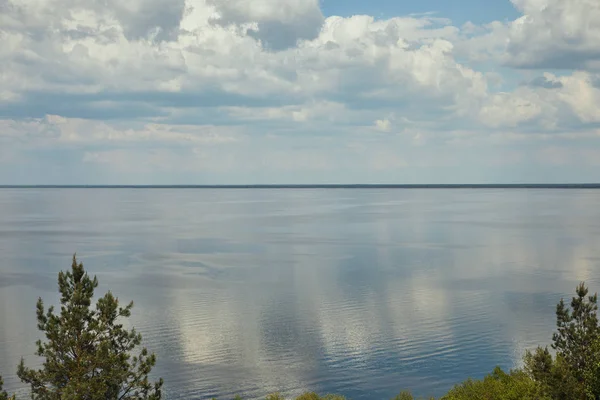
[[574, 373], [87, 351], [498, 385]]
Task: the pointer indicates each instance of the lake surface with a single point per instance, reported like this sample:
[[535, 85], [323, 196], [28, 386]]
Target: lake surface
[[361, 292]]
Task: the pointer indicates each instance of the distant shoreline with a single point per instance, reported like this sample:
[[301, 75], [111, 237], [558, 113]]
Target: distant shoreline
[[322, 186]]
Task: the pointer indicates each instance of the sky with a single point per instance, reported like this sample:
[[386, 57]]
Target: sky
[[299, 91]]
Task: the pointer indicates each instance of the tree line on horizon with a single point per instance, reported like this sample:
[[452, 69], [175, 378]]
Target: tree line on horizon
[[89, 355]]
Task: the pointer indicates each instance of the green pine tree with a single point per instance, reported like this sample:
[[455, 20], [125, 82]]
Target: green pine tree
[[87, 352], [574, 373], [577, 331]]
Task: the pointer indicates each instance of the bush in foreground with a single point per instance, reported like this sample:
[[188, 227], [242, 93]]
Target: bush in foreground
[[498, 385]]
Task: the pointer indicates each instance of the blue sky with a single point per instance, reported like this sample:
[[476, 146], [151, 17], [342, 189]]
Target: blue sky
[[459, 11], [299, 91]]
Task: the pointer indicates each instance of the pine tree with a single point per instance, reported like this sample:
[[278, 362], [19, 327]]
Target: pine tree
[[575, 371], [577, 331], [87, 352], [577, 340]]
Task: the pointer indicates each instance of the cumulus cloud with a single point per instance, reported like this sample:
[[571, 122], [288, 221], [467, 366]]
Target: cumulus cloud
[[551, 101], [277, 24], [195, 73], [511, 109], [94, 57], [384, 125], [555, 34]]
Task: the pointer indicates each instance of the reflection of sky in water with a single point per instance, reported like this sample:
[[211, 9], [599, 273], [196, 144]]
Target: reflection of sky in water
[[362, 292]]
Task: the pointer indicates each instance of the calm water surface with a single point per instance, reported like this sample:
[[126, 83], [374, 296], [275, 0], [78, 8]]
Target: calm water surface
[[359, 292]]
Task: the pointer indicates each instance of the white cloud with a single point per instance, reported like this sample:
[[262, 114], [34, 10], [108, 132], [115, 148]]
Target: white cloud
[[57, 130], [553, 102], [511, 109], [483, 43], [278, 25], [192, 73], [555, 34], [383, 125], [581, 93], [90, 50], [323, 111]]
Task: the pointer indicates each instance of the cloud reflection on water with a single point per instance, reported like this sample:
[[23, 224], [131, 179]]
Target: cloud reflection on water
[[363, 292]]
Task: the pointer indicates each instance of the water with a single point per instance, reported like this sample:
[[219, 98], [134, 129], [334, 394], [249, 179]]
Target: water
[[358, 292]]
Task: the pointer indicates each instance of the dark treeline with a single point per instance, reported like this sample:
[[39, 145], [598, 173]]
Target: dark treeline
[[89, 355], [328, 186]]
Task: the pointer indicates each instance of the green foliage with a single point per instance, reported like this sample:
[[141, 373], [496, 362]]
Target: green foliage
[[87, 352], [574, 373], [3, 394], [275, 396], [406, 395], [577, 330], [498, 385], [309, 396], [314, 396], [553, 375]]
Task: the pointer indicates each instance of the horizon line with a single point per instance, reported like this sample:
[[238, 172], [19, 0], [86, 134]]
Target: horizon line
[[324, 186]]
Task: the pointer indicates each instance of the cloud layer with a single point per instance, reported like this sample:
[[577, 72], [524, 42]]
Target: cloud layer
[[269, 86]]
